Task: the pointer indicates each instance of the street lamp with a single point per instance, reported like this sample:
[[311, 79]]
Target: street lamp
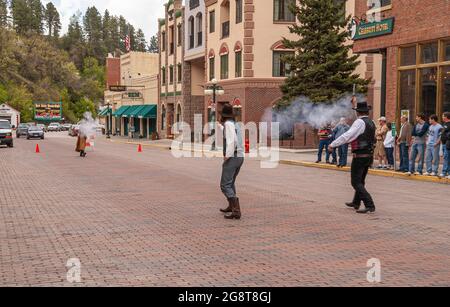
[[108, 119], [214, 90]]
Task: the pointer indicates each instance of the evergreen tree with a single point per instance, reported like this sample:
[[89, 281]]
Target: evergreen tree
[[106, 31], [132, 34], [321, 68], [141, 44], [73, 41], [20, 12], [37, 16], [52, 20], [114, 33], [3, 13], [154, 44], [93, 28], [123, 32]]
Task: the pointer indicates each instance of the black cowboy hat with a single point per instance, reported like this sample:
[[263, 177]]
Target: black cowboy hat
[[362, 107], [227, 111]]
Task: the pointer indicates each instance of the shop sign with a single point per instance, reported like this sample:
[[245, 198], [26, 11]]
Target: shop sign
[[117, 88], [372, 29], [51, 111]]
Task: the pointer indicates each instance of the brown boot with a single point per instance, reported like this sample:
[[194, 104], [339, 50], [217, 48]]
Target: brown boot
[[230, 207], [236, 210]]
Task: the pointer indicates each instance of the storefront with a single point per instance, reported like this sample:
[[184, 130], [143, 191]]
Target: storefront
[[136, 121], [416, 54], [10, 114]]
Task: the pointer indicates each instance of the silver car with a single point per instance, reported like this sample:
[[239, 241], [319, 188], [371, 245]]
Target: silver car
[[35, 132]]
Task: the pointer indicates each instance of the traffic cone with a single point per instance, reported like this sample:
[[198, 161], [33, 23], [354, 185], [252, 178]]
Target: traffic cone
[[140, 148], [247, 146], [38, 150]]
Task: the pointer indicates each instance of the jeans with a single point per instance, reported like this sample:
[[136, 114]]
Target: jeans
[[432, 158], [404, 157], [343, 153], [360, 168], [390, 155], [417, 150], [323, 144], [230, 171], [446, 168]]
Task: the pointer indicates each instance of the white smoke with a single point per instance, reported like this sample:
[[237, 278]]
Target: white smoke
[[88, 125], [304, 111]]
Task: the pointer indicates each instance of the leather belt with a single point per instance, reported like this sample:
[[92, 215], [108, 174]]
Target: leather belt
[[362, 156]]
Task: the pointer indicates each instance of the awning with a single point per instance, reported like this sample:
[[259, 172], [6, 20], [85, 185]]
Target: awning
[[149, 111], [105, 112], [135, 111], [119, 112]]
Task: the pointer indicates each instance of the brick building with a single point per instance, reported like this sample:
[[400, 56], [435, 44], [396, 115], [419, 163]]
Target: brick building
[[413, 38]]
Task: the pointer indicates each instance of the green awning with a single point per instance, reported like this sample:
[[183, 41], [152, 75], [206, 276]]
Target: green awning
[[119, 112], [105, 112], [136, 110], [149, 111]]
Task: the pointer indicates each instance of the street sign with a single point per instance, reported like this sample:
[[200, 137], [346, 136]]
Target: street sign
[[117, 88]]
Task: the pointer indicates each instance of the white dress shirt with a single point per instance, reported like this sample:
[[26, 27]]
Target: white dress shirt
[[358, 128]]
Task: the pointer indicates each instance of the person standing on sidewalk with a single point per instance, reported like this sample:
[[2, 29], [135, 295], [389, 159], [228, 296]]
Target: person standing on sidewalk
[[362, 137], [419, 133], [325, 134], [445, 140], [389, 144], [338, 131], [233, 152], [404, 141], [380, 134], [433, 146]]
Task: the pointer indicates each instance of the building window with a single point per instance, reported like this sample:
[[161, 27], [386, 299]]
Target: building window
[[171, 40], [280, 67], [212, 68], [238, 11], [179, 72], [163, 118], [429, 53], [408, 91], [163, 41], [191, 32], [282, 11], [447, 51], [163, 76], [212, 21], [238, 64], [224, 66], [179, 117], [382, 3], [225, 29], [179, 34], [171, 74], [193, 4], [225, 19], [424, 75], [199, 29]]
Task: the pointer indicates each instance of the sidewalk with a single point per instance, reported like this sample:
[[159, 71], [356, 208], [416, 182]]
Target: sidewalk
[[305, 158]]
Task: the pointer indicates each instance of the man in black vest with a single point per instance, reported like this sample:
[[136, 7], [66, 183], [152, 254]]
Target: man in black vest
[[362, 138]]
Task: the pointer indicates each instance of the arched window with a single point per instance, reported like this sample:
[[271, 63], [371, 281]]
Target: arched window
[[191, 31], [279, 66], [179, 114], [199, 29]]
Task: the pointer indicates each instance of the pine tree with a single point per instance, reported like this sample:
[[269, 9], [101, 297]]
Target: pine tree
[[154, 44], [321, 68], [123, 32], [141, 43], [52, 20], [37, 16], [20, 12], [92, 22], [3, 13], [114, 33]]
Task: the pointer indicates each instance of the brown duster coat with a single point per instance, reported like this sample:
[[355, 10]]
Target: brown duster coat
[[81, 144]]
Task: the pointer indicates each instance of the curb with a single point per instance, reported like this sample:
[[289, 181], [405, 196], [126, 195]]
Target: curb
[[375, 172], [380, 173]]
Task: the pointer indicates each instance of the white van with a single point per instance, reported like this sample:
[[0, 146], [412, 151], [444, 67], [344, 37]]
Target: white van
[[6, 137]]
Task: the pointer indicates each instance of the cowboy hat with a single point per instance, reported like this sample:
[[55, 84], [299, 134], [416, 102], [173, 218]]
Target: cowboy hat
[[362, 107], [227, 111]]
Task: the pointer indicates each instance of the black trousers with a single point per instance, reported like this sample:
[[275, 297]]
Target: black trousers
[[360, 168]]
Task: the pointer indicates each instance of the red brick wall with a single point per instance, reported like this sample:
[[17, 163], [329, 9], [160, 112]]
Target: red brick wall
[[112, 71]]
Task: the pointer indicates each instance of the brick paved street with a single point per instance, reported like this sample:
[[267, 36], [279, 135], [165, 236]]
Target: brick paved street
[[147, 219]]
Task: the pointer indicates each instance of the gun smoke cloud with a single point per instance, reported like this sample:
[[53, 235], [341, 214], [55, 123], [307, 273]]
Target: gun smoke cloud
[[317, 115], [88, 125]]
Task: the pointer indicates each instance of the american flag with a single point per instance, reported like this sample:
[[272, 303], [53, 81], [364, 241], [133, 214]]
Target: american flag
[[127, 43]]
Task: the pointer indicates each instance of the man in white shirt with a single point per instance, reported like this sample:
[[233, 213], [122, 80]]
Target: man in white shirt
[[362, 138]]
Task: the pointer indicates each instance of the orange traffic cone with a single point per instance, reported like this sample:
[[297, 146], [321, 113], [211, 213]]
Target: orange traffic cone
[[140, 148], [38, 150], [247, 146]]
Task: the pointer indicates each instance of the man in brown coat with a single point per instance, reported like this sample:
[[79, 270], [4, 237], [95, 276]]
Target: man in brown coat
[[404, 142], [81, 145]]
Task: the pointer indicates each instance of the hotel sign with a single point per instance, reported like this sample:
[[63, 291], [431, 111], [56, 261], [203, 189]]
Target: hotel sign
[[372, 29]]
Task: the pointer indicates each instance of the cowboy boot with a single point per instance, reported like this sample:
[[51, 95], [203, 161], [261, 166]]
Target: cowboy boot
[[230, 207], [236, 210]]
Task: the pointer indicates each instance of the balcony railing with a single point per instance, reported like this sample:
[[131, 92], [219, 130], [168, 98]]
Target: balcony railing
[[225, 29]]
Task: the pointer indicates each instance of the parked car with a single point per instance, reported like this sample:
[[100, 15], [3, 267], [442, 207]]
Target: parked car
[[35, 132], [43, 127], [54, 127], [21, 130], [74, 130], [6, 134], [66, 127]]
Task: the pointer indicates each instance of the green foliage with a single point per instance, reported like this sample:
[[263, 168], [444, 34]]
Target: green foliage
[[154, 44], [83, 106], [52, 20], [322, 68]]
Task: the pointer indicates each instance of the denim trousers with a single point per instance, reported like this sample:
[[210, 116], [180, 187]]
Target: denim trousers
[[230, 171], [404, 157], [417, 150], [323, 144], [433, 159]]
